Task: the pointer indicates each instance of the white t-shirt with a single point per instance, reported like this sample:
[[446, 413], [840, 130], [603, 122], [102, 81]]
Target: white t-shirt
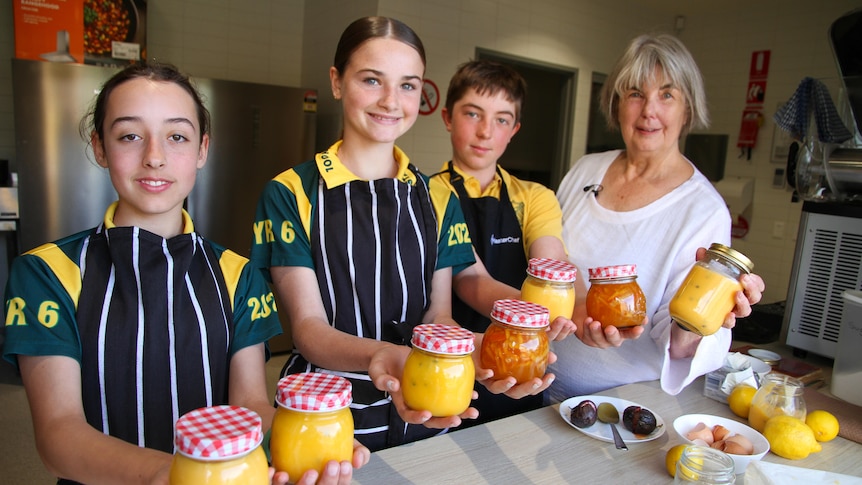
[[662, 240]]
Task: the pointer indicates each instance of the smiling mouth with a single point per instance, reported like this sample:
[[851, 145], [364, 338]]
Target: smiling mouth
[[154, 183], [387, 119]]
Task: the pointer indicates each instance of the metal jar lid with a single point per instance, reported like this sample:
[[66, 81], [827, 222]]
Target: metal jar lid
[[520, 313], [314, 391], [733, 256], [218, 432], [552, 270], [443, 339]]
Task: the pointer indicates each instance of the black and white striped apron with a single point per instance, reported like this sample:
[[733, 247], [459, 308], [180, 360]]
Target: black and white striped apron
[[153, 313], [375, 251]]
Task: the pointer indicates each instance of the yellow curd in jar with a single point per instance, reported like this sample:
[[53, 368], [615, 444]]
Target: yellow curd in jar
[[757, 418], [251, 468], [439, 373], [219, 445], [550, 283], [442, 384], [778, 395], [703, 300], [516, 342], [313, 424]]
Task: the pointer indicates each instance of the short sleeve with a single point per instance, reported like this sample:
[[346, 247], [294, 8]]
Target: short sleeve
[[454, 246], [255, 313], [40, 314], [280, 236]]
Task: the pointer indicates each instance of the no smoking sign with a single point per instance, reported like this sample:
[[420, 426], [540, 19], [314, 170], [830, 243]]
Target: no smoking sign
[[430, 98]]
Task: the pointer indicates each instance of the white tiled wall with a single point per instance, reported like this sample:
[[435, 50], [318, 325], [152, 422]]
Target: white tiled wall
[[291, 42]]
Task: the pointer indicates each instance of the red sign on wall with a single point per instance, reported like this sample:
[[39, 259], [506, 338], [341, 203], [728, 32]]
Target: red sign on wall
[[759, 65]]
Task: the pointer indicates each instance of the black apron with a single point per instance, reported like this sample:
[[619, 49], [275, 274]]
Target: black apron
[[499, 242]]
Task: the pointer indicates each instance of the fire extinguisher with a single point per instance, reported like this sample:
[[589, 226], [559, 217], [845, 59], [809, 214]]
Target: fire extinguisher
[[752, 119]]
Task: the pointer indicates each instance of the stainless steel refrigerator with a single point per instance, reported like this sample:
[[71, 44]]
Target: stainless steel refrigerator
[[258, 131]]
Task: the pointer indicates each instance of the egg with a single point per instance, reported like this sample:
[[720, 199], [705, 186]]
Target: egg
[[744, 443], [719, 432], [701, 432]]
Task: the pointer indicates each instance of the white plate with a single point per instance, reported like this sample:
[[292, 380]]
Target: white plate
[[602, 431]]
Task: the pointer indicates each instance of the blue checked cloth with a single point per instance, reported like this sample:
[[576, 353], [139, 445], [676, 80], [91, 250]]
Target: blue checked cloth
[[812, 96]]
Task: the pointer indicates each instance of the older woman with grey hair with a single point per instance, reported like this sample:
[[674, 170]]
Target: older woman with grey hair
[[646, 205]]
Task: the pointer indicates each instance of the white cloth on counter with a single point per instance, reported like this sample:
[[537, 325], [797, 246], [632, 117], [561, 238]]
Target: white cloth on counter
[[662, 240], [766, 473]]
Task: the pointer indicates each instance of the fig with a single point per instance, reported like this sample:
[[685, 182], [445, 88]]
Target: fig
[[639, 420], [584, 414]]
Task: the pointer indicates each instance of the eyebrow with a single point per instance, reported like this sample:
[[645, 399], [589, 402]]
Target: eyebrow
[[170, 121], [380, 74], [479, 108]]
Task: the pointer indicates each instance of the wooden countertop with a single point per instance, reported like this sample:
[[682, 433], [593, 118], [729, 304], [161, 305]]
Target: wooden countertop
[[539, 447]]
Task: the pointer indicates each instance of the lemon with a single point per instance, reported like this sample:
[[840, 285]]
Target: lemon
[[672, 457], [790, 437], [740, 398], [823, 423]]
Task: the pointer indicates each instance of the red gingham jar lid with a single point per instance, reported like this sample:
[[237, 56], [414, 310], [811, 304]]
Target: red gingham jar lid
[[443, 339], [218, 432], [552, 269], [611, 272], [520, 313], [314, 391]]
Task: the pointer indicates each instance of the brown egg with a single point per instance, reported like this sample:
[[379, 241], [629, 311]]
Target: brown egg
[[702, 432], [719, 432], [744, 443], [734, 448]]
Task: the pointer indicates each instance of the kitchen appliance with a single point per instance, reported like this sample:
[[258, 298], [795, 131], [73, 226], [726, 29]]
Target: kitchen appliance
[[257, 131], [828, 176]]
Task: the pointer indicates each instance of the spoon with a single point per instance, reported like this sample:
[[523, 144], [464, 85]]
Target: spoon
[[607, 413]]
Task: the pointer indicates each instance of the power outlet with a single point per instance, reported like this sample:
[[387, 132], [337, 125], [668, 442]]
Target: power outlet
[[778, 229]]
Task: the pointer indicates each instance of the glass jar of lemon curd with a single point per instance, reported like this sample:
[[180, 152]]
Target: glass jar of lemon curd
[[516, 342], [439, 372], [551, 283], [219, 445], [312, 424], [707, 293]]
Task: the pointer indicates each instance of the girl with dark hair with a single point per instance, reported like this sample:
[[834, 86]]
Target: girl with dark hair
[[357, 250], [121, 329]]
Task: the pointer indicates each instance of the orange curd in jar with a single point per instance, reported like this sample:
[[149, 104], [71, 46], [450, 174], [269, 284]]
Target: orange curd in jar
[[439, 372], [516, 342], [550, 283], [312, 424], [614, 297], [706, 295], [219, 445]]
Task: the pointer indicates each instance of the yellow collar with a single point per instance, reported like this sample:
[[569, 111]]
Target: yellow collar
[[334, 172], [472, 183], [188, 226]]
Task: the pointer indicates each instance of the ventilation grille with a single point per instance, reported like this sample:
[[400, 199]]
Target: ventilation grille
[[834, 266]]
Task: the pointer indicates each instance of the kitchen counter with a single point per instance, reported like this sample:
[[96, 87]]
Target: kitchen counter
[[539, 447]]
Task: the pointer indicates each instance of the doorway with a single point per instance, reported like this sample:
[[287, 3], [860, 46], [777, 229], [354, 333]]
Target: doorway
[[600, 138], [540, 151]]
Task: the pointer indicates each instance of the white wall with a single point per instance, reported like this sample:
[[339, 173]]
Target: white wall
[[291, 42]]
